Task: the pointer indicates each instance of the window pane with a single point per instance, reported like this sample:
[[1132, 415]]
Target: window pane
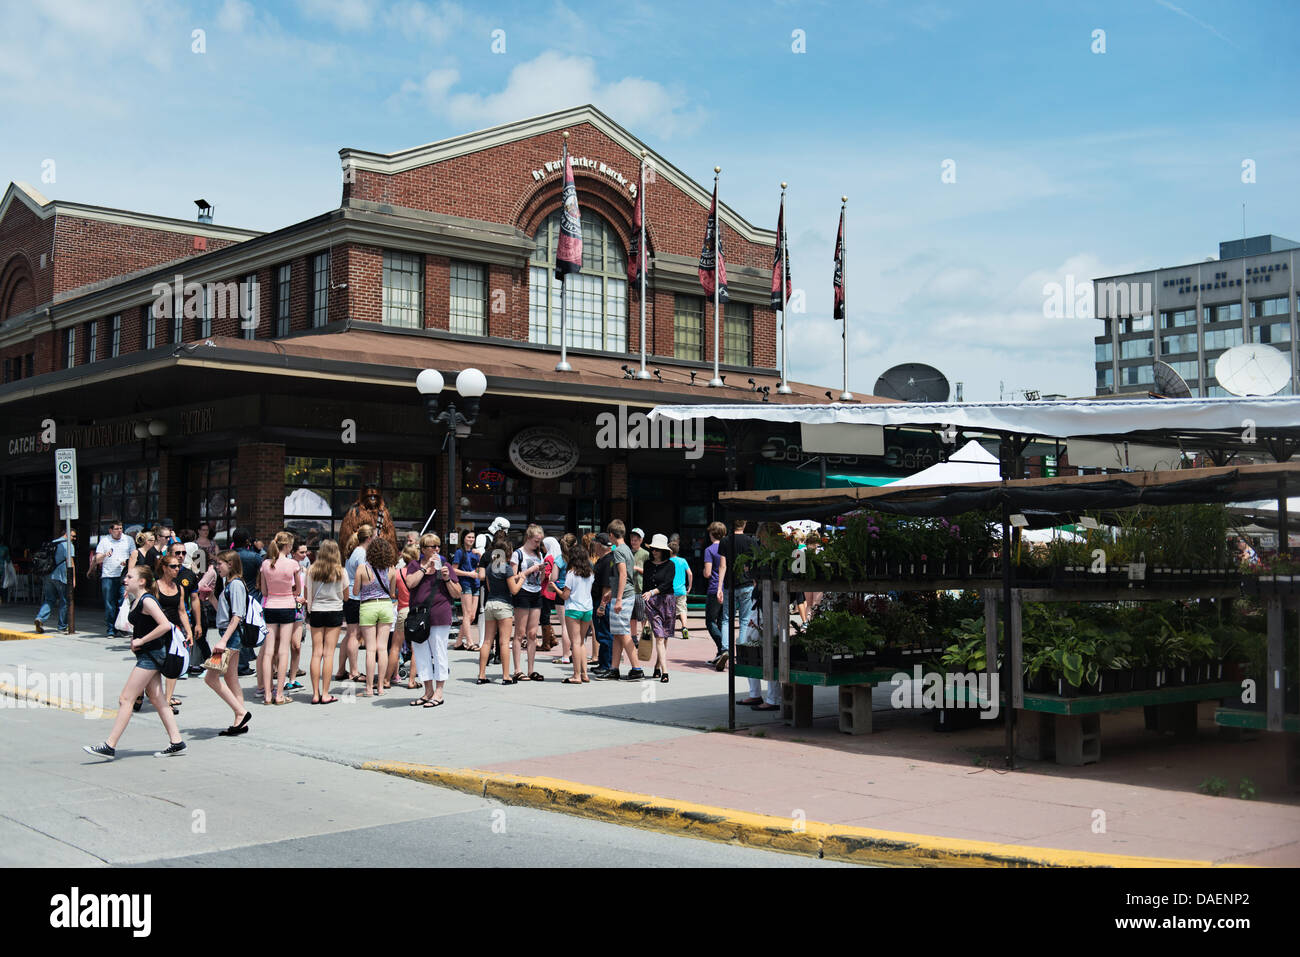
[[596, 298], [403, 303], [1135, 349], [283, 276], [737, 334], [320, 289], [354, 473], [404, 475], [688, 328], [468, 299], [302, 470]]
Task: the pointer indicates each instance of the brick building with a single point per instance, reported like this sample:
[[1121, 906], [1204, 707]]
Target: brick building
[[259, 378]]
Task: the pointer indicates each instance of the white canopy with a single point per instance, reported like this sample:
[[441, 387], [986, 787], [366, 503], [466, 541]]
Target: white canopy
[[1068, 417], [971, 463]]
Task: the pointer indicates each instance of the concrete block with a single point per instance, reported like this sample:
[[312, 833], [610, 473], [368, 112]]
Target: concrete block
[[855, 709]]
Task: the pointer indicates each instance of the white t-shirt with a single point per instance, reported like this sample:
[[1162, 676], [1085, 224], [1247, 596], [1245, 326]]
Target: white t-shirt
[[580, 592], [116, 554]]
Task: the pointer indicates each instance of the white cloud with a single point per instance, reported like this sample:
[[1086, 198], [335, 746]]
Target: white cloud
[[554, 81], [234, 15], [344, 14], [436, 23]]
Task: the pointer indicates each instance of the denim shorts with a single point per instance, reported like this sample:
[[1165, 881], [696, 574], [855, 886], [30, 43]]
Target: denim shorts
[[151, 660]]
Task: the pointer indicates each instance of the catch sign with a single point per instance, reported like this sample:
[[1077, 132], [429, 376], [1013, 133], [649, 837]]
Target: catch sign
[[65, 476]]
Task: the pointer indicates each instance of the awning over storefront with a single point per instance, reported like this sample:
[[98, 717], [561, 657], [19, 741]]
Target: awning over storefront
[[776, 477]]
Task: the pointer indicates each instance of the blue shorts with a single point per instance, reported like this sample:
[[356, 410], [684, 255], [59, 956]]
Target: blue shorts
[[234, 644], [151, 660]]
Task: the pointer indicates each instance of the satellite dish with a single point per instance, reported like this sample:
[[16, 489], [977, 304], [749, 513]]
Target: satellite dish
[[1169, 384], [913, 382], [1253, 369]]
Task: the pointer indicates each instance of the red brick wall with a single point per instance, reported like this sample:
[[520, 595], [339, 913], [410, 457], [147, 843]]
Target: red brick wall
[[24, 236], [87, 250], [497, 185], [260, 491]]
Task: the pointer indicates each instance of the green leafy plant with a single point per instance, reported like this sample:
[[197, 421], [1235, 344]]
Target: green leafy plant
[[969, 650], [1215, 787], [840, 632], [1246, 789]]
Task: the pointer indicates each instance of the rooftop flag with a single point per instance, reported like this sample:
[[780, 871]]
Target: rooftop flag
[[712, 245], [782, 253], [568, 250]]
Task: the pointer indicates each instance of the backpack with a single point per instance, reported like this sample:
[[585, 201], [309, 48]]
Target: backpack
[[45, 560]]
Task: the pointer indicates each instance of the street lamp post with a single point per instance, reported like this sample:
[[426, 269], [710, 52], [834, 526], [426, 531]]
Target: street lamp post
[[470, 384]]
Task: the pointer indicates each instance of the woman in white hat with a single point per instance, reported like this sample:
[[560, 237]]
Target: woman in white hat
[[660, 603]]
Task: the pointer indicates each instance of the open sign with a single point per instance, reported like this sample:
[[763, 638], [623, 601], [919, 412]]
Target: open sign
[[492, 478]]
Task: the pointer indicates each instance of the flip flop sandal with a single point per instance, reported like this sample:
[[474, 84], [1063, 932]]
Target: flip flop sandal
[[586, 681], [509, 681], [435, 702], [419, 702], [536, 676], [139, 702], [330, 700], [175, 702], [315, 700], [749, 701], [483, 681], [571, 681], [518, 676], [663, 678], [765, 707]]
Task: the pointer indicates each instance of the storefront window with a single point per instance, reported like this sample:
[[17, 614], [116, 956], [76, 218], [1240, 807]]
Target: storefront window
[[318, 491], [571, 503], [217, 484], [128, 495]]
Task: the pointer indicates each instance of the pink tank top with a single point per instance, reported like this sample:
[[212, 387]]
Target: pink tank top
[[279, 583]]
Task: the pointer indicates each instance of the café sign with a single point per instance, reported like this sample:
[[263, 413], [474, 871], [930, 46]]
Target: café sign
[[543, 452]]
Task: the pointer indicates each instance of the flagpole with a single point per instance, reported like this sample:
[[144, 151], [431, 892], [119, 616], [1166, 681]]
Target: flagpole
[[784, 387], [641, 266], [563, 364], [846, 395], [716, 381]]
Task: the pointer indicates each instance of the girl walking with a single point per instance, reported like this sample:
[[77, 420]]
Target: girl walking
[[327, 590], [174, 601], [232, 609], [150, 630], [280, 583]]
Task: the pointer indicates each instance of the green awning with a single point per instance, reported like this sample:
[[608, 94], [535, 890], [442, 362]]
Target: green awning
[[778, 477]]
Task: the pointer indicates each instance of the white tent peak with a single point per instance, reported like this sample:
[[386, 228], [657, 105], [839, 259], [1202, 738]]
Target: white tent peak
[[971, 463]]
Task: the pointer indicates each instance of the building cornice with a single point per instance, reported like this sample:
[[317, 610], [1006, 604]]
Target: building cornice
[[468, 143]]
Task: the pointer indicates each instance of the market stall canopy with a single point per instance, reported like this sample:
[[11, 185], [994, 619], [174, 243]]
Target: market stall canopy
[[971, 463], [1056, 495], [1264, 512], [1227, 423]]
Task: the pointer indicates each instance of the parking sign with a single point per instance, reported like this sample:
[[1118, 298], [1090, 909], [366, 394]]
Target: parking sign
[[65, 476]]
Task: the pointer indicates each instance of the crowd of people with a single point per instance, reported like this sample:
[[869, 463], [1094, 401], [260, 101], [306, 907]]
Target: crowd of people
[[377, 617]]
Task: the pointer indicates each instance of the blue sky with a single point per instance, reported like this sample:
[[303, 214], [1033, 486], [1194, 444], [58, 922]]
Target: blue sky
[[1068, 162]]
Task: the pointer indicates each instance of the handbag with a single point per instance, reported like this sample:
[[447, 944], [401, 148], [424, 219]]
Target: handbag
[[177, 661], [123, 621], [219, 661], [418, 625]]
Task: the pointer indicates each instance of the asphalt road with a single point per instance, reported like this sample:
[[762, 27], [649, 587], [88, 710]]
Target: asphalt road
[[243, 802]]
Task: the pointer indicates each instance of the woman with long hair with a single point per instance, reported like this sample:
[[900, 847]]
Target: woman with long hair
[[355, 550], [150, 631], [327, 590], [464, 565], [500, 583], [173, 600], [146, 552], [374, 589], [432, 586], [530, 559], [280, 581], [232, 610], [578, 608]]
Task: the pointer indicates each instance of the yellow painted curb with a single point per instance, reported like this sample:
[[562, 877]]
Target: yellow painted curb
[[7, 634], [835, 841], [51, 701]]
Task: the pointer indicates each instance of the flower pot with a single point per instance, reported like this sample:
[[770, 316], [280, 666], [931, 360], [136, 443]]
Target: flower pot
[[1174, 677], [1138, 679], [1066, 690]]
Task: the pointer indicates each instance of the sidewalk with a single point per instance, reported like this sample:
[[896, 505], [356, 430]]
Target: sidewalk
[[665, 741]]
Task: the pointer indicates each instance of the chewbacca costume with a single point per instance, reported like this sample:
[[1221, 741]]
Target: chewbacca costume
[[359, 514]]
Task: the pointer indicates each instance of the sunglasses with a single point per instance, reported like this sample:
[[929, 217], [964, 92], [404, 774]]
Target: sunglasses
[[172, 566]]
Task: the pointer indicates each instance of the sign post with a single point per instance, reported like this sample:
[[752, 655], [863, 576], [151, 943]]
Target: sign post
[[65, 484]]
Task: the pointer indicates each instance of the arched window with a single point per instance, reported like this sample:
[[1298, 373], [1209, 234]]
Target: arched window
[[596, 298]]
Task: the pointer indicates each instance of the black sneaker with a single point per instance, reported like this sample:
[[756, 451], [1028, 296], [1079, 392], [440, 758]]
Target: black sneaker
[[609, 674], [245, 672], [720, 663], [100, 750], [177, 748], [636, 674]]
